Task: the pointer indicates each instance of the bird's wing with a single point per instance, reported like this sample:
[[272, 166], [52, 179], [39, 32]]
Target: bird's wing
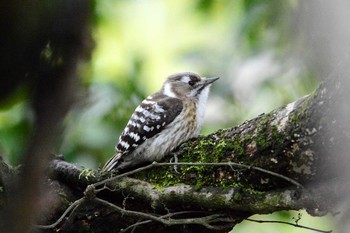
[[153, 115]]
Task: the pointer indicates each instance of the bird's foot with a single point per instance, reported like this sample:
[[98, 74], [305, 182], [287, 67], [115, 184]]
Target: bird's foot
[[174, 159]]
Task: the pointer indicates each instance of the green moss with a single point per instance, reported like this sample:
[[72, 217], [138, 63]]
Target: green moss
[[305, 106], [261, 142], [228, 183], [199, 185], [254, 192], [237, 146], [262, 133], [264, 120], [86, 174], [267, 134], [294, 118], [219, 148], [203, 151], [237, 196], [208, 150], [276, 136]]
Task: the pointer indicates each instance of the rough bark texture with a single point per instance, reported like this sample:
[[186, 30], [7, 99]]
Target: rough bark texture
[[295, 141]]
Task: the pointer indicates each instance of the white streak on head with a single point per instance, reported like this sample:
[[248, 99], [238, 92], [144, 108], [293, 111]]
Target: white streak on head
[[167, 90], [185, 79]]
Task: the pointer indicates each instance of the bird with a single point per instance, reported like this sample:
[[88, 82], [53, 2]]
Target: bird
[[163, 121]]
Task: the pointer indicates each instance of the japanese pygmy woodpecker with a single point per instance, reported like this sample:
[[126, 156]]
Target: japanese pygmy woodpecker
[[163, 121]]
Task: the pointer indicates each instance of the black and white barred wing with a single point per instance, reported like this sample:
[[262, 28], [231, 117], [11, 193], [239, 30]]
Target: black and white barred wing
[[153, 115]]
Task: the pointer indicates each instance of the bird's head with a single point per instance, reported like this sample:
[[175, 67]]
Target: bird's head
[[187, 85]]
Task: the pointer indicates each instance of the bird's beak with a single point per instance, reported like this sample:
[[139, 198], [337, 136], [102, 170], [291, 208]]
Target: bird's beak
[[208, 81]]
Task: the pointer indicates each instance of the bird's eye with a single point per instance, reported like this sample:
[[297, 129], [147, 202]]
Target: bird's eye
[[191, 83]]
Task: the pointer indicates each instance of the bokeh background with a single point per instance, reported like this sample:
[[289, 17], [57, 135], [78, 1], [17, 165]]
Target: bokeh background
[[252, 45]]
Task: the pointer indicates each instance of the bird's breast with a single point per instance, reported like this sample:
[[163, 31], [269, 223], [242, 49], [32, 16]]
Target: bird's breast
[[190, 118]]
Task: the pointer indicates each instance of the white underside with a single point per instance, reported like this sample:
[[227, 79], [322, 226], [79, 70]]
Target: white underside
[[202, 103]]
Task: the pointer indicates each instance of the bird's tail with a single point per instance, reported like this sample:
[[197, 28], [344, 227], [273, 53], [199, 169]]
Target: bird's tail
[[112, 163]]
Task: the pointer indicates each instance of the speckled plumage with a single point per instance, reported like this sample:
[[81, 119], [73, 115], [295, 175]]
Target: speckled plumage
[[162, 121]]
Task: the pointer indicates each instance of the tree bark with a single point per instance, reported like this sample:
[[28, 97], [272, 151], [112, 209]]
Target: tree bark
[[292, 158]]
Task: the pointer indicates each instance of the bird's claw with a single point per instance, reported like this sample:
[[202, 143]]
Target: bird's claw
[[175, 159]]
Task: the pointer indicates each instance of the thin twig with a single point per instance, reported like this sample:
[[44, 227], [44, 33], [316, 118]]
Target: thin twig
[[105, 181], [163, 216], [204, 221], [230, 164], [288, 223], [53, 225], [73, 213]]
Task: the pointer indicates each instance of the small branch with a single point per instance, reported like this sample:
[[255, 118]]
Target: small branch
[[204, 221], [164, 216], [105, 181], [288, 223]]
